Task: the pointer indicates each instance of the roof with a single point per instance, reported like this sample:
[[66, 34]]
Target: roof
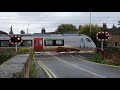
[[40, 34], [1, 32], [114, 31]]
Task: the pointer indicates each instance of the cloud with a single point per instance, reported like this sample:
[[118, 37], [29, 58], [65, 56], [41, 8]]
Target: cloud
[[51, 20]]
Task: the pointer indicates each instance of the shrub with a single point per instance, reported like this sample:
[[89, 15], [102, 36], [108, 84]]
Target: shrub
[[24, 51], [5, 56], [7, 50], [97, 58]]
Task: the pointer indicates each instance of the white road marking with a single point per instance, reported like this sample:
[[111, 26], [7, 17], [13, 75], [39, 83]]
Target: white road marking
[[96, 62], [44, 58], [76, 66], [78, 58]]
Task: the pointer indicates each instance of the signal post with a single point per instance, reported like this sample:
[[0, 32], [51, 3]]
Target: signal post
[[15, 40], [102, 36]]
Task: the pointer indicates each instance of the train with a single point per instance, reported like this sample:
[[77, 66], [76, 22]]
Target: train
[[49, 42]]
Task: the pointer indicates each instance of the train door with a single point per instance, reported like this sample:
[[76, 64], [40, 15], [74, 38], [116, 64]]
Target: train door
[[38, 44]]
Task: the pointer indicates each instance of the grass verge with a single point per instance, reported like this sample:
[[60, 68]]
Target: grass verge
[[33, 69], [98, 59]]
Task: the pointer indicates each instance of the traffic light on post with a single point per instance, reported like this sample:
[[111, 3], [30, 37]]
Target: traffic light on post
[[102, 36], [19, 40], [15, 39]]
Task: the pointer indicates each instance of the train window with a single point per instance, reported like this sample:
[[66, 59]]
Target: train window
[[36, 42], [27, 43], [4, 43], [48, 42], [88, 40], [54, 42], [59, 42], [40, 42]]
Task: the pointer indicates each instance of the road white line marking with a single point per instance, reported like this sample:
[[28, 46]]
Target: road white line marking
[[96, 62], [78, 58], [44, 58], [76, 66]]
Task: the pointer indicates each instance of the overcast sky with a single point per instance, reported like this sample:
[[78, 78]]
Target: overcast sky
[[51, 20]]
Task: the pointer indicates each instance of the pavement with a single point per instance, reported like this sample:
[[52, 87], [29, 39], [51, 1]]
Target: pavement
[[76, 66]]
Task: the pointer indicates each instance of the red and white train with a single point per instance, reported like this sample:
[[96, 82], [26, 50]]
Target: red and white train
[[46, 42]]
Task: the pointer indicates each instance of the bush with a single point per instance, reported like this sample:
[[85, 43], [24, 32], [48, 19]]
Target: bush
[[7, 50], [5, 56], [97, 58], [24, 51]]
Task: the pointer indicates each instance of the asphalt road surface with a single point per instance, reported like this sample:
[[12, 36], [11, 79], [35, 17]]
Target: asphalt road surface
[[74, 66]]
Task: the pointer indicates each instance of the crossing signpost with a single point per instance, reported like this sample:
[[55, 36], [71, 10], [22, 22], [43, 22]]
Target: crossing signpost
[[102, 36], [15, 40]]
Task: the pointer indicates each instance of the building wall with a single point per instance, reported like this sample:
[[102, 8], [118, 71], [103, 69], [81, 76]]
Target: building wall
[[114, 40]]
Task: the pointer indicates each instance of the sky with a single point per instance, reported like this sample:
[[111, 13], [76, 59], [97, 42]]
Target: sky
[[35, 21]]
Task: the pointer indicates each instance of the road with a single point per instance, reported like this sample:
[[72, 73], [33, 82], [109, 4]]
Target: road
[[74, 66]]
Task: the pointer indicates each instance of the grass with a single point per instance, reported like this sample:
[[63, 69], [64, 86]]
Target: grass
[[97, 58], [33, 70]]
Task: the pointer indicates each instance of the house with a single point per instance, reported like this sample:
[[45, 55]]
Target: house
[[114, 32], [1, 32]]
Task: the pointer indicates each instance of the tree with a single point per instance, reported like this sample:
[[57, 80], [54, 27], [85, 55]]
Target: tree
[[66, 28], [43, 30], [94, 29], [22, 32], [114, 26], [80, 27]]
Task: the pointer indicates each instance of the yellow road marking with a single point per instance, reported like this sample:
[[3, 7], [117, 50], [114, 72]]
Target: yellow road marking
[[45, 70], [51, 74], [50, 71]]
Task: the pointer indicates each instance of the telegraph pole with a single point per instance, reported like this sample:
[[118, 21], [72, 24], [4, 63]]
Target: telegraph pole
[[90, 24], [28, 28]]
